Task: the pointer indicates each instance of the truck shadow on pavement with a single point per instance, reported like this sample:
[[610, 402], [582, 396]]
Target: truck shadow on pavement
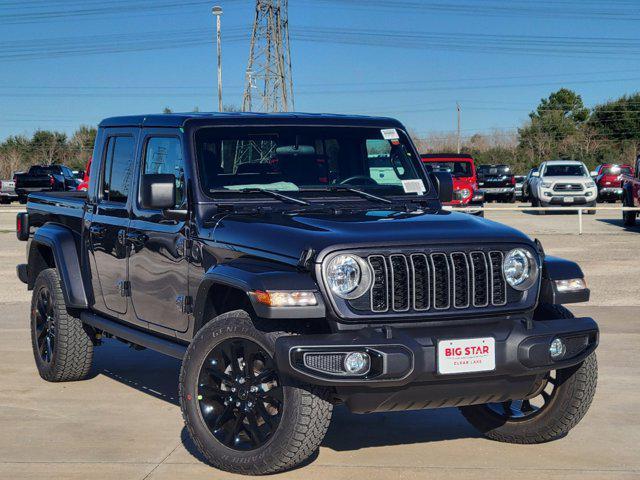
[[157, 375], [618, 223], [145, 370]]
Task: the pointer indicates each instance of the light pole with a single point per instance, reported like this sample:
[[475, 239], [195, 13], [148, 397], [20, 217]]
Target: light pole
[[459, 139], [217, 11]]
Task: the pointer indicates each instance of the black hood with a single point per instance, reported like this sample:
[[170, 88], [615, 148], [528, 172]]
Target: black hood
[[288, 235]]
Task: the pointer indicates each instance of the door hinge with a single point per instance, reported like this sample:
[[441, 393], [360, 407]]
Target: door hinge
[[184, 304], [124, 287]]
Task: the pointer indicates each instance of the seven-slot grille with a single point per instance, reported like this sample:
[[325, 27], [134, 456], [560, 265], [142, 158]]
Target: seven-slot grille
[[436, 281], [567, 187]]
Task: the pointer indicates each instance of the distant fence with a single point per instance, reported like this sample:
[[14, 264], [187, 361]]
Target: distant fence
[[524, 208]]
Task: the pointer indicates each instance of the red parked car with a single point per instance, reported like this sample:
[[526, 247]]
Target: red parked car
[[84, 185], [608, 178], [465, 180]]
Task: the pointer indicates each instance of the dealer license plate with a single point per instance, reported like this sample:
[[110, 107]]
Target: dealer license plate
[[466, 355], [568, 199]]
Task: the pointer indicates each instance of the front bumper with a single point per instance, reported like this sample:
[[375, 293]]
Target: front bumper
[[404, 372], [610, 192], [488, 191]]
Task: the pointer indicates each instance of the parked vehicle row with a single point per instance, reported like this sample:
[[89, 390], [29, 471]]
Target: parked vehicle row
[[295, 262], [44, 178]]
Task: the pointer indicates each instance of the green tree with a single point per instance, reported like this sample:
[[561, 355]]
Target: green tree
[[552, 125]]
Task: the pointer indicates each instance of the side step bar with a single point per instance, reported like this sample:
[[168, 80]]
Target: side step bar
[[144, 339]]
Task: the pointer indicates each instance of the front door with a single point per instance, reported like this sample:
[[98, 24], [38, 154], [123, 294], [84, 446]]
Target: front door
[[107, 232], [158, 265]]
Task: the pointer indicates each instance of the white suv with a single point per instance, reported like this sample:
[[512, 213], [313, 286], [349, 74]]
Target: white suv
[[563, 182]]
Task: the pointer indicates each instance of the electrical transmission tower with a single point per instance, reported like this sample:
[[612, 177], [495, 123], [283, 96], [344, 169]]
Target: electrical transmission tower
[[269, 84]]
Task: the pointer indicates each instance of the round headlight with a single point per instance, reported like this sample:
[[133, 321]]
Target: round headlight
[[520, 269], [348, 276], [466, 193]]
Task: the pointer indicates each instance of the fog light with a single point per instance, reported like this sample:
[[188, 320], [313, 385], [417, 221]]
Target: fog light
[[548, 194], [357, 363], [557, 349]]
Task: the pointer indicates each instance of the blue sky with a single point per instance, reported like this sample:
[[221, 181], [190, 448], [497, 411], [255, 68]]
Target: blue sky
[[413, 59]]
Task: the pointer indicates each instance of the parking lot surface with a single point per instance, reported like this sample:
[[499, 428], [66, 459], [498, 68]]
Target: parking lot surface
[[125, 423]]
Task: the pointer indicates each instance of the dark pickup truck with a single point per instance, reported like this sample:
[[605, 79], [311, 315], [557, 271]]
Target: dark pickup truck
[[290, 274], [497, 182], [44, 178]]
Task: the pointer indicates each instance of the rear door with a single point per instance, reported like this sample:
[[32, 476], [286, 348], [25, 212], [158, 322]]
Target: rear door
[[110, 220], [158, 265]]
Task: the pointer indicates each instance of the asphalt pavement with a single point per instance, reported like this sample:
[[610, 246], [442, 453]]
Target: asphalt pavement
[[125, 423]]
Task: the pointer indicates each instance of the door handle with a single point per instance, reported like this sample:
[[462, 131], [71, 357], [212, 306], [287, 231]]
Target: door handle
[[97, 231], [137, 239]]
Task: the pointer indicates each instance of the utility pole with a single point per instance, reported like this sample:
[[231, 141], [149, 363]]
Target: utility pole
[[217, 12], [459, 139], [269, 68]]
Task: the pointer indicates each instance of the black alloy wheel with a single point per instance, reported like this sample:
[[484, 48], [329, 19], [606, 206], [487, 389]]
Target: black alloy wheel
[[45, 325], [516, 410], [239, 394]]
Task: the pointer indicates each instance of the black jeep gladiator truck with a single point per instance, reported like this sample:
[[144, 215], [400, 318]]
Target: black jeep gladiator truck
[[288, 277]]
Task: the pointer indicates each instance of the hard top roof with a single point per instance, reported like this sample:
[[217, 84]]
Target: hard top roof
[[248, 118], [434, 156], [564, 162]]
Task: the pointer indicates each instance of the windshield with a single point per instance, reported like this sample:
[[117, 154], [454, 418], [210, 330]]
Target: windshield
[[616, 170], [487, 170], [568, 170], [38, 170], [456, 169], [293, 159]]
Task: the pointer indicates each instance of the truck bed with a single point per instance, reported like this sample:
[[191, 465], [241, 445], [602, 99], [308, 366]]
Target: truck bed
[[65, 208]]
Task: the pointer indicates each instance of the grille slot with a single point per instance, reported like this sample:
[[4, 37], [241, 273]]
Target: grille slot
[[498, 285], [461, 280], [421, 283], [437, 281], [441, 281], [379, 291], [480, 275], [399, 283]]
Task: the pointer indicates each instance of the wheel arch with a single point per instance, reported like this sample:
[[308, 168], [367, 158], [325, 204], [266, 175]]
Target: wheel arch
[[53, 246], [230, 287]]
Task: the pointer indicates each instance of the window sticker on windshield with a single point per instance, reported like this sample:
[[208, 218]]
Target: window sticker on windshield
[[413, 186], [390, 134]]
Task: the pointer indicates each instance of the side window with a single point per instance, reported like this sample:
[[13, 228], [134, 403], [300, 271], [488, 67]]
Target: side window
[[118, 166], [164, 155]]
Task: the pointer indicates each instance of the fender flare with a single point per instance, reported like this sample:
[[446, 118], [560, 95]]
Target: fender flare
[[555, 268], [247, 278], [60, 241]]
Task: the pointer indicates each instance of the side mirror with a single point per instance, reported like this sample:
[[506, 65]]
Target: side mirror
[[444, 185], [158, 191], [594, 174]]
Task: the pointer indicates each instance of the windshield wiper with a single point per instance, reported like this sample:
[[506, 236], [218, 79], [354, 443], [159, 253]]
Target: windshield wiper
[[363, 194], [278, 195]]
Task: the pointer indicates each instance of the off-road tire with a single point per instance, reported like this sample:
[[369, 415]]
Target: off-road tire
[[566, 409], [306, 412], [73, 348]]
